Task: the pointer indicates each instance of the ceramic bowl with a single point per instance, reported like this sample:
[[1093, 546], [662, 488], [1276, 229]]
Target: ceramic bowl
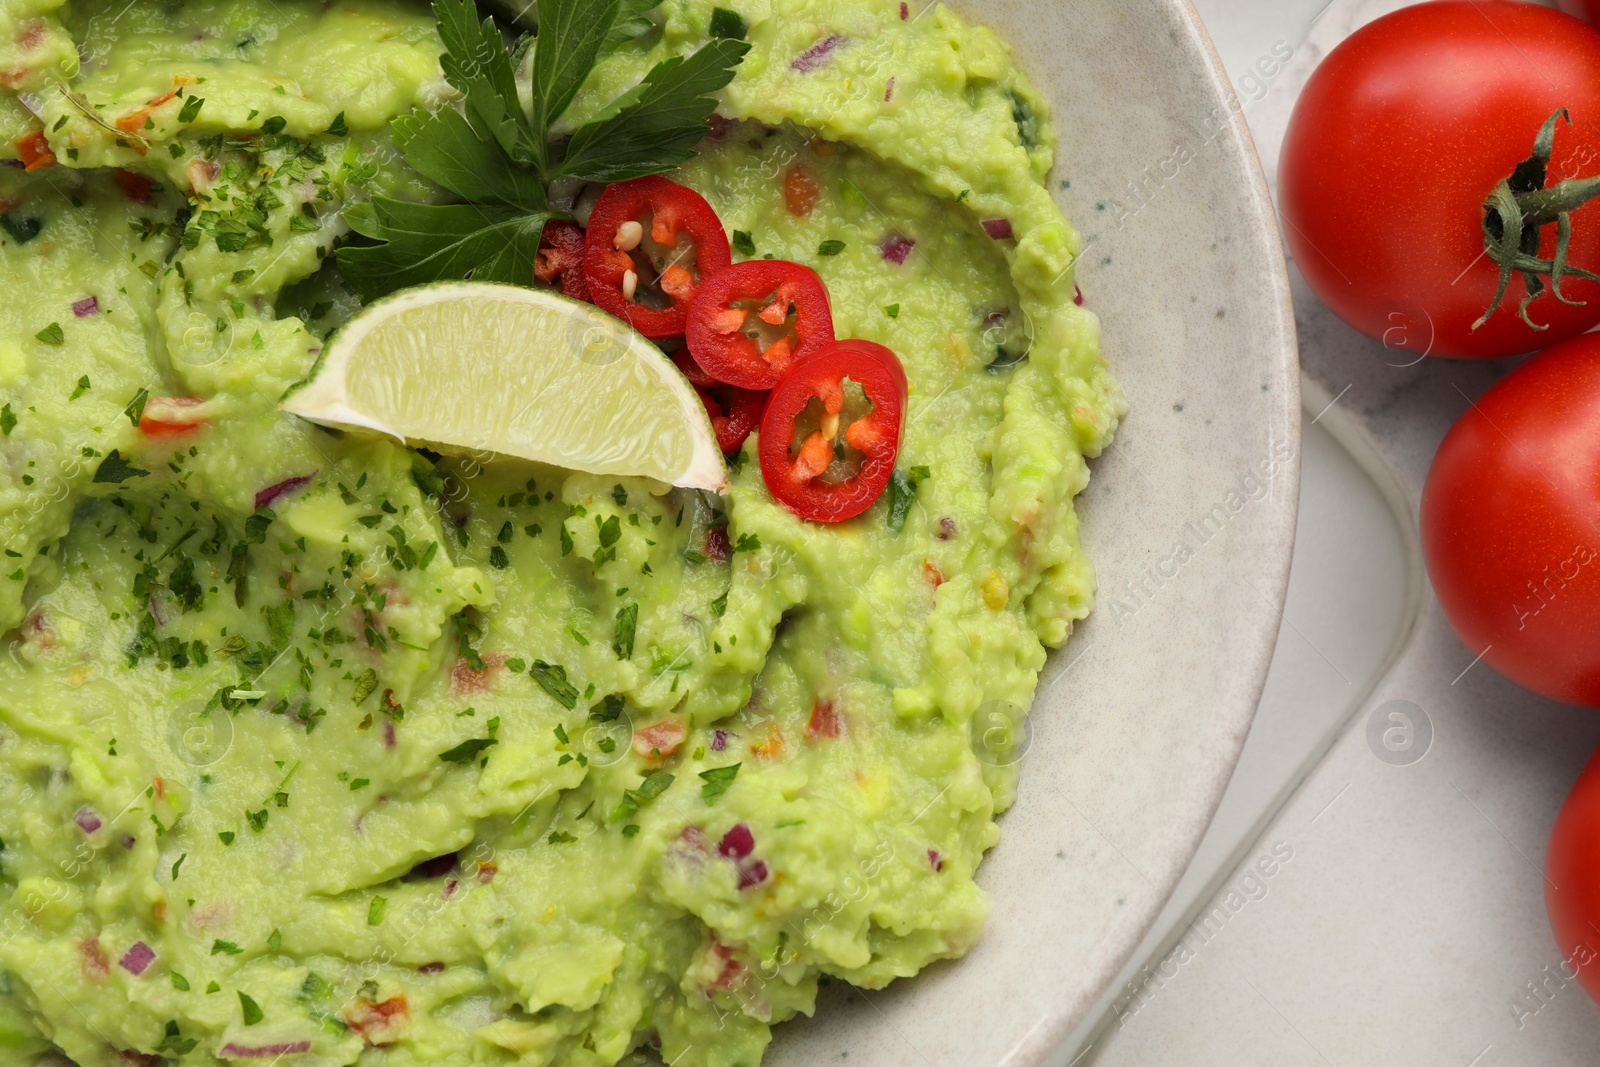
[[1190, 518]]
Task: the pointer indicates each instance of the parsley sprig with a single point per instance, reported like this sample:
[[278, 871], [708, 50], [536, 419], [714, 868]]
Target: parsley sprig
[[501, 159]]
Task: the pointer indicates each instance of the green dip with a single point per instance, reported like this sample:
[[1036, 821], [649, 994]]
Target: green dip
[[317, 750]]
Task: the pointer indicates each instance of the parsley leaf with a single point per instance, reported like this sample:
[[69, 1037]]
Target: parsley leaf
[[114, 469], [657, 125], [467, 751], [553, 680], [717, 780], [477, 62], [135, 408], [429, 242], [631, 23], [903, 486], [622, 637], [726, 23], [567, 48], [448, 148]]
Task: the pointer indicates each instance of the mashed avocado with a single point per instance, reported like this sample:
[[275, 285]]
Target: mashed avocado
[[317, 750]]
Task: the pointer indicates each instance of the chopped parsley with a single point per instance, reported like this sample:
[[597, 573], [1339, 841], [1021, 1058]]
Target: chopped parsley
[[553, 680], [622, 636], [903, 487], [717, 780], [467, 752], [728, 24]]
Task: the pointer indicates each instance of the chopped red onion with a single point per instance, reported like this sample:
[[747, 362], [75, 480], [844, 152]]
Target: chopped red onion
[[896, 247], [718, 550], [905, 11], [719, 740], [261, 1052], [137, 958], [127, 841], [157, 612], [947, 528], [388, 735], [934, 861], [87, 821], [752, 875], [817, 54], [999, 229], [888, 90], [431, 968], [737, 843], [89, 305], [1077, 296], [273, 492]]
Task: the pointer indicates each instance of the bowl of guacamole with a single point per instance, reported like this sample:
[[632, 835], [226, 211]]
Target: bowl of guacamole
[[319, 749]]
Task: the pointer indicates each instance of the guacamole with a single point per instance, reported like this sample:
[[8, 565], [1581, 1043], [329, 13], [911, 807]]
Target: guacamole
[[315, 749]]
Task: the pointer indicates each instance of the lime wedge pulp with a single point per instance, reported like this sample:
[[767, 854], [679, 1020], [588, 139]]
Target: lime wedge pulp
[[479, 367]]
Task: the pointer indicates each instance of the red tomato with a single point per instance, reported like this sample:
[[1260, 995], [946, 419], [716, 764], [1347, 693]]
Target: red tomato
[[1398, 142], [560, 259], [800, 190], [1572, 880], [34, 152], [815, 482], [170, 416], [636, 260], [1584, 9], [1511, 527], [784, 304], [136, 187]]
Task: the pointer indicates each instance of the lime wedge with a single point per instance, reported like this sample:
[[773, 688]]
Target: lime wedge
[[475, 367]]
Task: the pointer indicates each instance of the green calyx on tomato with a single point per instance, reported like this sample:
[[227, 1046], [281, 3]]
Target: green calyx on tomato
[[1530, 205]]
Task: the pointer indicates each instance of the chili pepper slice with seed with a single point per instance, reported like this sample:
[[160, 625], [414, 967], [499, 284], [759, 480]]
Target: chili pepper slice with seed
[[650, 244], [751, 322], [837, 470]]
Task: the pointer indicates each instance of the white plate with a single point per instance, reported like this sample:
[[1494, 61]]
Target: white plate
[[1141, 717]]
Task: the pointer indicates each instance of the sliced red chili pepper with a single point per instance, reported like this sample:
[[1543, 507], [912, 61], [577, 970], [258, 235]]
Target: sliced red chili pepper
[[783, 305], [693, 371], [808, 476], [35, 153], [560, 260], [735, 414], [636, 260]]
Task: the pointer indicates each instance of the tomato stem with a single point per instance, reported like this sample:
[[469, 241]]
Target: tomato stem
[[1516, 211]]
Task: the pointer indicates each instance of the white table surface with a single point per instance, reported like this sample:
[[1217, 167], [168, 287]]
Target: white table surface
[[1403, 918]]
